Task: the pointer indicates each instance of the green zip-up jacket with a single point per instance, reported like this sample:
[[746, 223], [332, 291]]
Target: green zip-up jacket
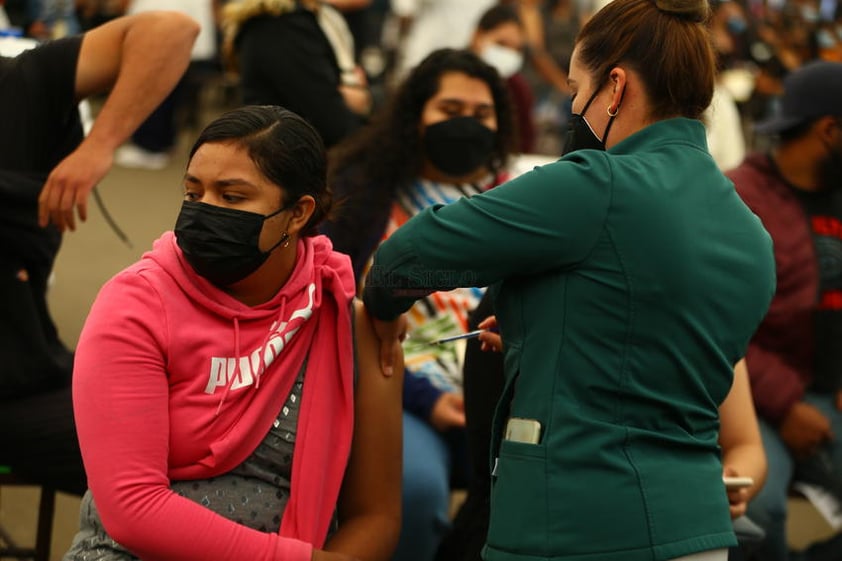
[[627, 284]]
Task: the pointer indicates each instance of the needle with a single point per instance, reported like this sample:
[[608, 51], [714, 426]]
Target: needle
[[468, 335]]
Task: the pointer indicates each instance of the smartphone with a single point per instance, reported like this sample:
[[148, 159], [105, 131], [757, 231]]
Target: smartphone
[[523, 430], [737, 482]]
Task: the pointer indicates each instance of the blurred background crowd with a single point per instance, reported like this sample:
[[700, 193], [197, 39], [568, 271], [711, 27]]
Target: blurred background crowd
[[758, 41]]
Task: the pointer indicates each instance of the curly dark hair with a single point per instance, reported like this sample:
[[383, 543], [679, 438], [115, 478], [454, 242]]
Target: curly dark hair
[[389, 154]]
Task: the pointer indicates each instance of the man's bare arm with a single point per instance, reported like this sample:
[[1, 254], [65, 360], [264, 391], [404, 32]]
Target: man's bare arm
[[140, 58]]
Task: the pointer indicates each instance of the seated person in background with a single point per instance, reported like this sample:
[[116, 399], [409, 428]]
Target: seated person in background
[[499, 40], [794, 358], [228, 397], [551, 28], [139, 59], [298, 54], [448, 134]]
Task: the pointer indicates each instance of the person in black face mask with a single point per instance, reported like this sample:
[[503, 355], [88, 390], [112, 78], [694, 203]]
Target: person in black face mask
[[239, 369], [447, 134], [223, 244], [450, 122], [580, 135], [626, 283]]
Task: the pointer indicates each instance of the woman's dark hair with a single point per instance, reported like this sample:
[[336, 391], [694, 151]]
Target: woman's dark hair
[[665, 41], [285, 148], [498, 15], [388, 153]]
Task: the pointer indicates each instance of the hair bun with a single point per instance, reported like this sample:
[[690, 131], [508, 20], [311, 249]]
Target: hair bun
[[696, 11]]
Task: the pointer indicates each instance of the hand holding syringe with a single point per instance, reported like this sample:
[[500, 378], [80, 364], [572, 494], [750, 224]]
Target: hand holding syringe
[[487, 333]]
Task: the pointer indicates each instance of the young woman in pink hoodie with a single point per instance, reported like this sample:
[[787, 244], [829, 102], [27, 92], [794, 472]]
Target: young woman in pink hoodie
[[227, 391]]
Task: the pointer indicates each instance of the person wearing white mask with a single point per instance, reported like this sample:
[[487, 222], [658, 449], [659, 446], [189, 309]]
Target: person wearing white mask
[[499, 39], [428, 25]]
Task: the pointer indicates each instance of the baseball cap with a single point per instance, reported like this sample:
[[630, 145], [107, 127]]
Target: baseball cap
[[811, 91]]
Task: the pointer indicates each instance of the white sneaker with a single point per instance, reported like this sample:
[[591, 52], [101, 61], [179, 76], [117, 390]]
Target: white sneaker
[[135, 157]]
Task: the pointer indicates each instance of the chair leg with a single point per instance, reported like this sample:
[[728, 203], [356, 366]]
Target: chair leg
[[7, 541], [44, 531], [44, 536]]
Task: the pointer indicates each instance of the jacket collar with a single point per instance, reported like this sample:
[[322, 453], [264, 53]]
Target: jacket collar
[[679, 130]]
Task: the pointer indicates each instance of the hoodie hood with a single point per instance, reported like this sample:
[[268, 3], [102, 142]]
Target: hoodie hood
[[169, 257], [234, 348], [275, 319]]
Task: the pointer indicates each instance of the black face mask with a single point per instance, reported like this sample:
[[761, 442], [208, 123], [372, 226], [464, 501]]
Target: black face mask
[[830, 169], [222, 244], [580, 135], [458, 146]]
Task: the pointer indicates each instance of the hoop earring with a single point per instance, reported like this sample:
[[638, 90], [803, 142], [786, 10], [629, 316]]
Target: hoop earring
[[616, 110]]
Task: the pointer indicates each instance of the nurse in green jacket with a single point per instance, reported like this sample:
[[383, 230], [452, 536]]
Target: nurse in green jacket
[[628, 278]]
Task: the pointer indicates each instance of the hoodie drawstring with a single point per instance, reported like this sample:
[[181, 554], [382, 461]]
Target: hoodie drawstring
[[262, 367], [236, 364]]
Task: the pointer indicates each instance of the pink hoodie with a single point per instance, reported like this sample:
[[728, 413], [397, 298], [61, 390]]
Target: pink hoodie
[[175, 379]]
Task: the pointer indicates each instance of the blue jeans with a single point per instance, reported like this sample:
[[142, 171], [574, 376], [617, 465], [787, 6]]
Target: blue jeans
[[426, 491], [769, 508]]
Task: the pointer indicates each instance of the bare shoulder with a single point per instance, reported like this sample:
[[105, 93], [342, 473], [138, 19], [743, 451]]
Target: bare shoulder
[[363, 330], [367, 349]]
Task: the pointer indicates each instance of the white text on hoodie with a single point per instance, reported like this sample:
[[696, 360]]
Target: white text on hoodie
[[222, 369]]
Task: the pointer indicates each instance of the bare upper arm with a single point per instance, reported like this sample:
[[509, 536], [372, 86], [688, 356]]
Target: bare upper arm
[[374, 469], [738, 419], [104, 47], [370, 500]]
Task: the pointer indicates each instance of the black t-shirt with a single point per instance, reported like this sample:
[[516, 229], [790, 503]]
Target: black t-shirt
[[39, 126], [823, 210], [39, 116], [287, 60]]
